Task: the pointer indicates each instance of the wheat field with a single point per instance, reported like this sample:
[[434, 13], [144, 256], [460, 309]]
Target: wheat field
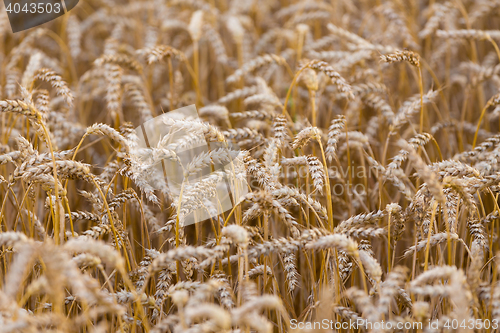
[[368, 132]]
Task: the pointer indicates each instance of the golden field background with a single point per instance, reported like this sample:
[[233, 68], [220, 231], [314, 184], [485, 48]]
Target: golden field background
[[369, 134]]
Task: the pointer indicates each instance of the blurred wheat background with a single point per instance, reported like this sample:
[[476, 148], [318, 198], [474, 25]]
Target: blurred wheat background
[[369, 131]]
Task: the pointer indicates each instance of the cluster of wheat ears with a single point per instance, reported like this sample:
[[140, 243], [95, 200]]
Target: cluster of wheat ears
[[369, 132]]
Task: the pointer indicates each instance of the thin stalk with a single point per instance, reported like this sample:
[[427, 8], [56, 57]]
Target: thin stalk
[[328, 189], [56, 185], [421, 88], [429, 233], [389, 242], [171, 83], [196, 67], [483, 112], [177, 226]]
